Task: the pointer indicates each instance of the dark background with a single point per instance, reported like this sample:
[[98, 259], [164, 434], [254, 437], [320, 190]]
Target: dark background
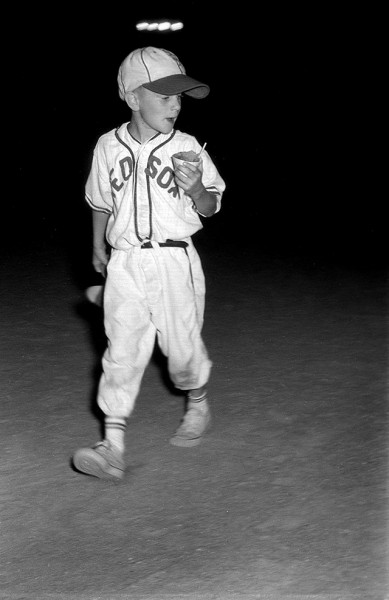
[[288, 121]]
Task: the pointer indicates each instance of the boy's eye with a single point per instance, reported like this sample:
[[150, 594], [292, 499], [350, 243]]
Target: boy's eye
[[179, 96]]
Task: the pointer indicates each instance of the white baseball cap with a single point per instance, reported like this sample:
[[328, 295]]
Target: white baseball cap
[[159, 71]]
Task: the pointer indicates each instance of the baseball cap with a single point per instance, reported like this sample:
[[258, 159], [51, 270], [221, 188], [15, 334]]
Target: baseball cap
[[159, 71]]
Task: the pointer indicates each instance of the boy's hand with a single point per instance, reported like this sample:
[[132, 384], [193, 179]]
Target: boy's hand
[[100, 260], [188, 177]]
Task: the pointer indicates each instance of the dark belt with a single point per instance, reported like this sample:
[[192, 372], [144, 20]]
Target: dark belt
[[167, 244]]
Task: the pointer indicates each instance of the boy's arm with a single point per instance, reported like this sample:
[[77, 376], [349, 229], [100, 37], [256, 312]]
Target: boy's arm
[[189, 178], [205, 201], [100, 254]]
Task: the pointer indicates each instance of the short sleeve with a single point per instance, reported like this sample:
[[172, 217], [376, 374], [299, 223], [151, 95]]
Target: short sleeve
[[98, 192]]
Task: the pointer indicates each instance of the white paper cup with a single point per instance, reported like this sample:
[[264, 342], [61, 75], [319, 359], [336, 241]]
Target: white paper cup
[[179, 161]]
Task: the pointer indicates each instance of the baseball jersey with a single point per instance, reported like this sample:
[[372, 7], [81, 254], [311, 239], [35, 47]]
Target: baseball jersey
[[134, 183]]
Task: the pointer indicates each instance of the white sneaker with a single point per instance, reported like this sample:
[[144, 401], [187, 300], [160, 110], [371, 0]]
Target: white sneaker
[[101, 461], [196, 420]]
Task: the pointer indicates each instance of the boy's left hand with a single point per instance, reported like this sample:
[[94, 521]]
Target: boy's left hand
[[188, 177]]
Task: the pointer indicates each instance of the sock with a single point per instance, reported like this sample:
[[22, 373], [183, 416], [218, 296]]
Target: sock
[[115, 428], [193, 400]]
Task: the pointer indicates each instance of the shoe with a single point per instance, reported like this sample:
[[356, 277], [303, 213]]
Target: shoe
[[101, 461], [196, 420]]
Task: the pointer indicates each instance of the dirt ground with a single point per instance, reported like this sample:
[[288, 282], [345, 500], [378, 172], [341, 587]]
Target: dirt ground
[[286, 497]]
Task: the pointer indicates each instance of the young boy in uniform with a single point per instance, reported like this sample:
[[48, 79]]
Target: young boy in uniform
[[148, 210]]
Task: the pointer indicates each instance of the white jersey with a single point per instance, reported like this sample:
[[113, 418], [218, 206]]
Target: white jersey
[[134, 183]]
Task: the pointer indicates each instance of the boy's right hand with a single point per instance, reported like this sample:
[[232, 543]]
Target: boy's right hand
[[100, 260]]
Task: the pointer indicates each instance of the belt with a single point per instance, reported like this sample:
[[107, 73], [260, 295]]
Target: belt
[[167, 244]]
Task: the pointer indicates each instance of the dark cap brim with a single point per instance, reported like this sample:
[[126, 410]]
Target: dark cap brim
[[178, 84]]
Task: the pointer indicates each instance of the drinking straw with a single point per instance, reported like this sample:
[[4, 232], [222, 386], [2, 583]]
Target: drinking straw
[[202, 149]]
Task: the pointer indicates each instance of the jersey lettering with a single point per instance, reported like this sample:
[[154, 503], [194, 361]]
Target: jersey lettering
[[126, 167], [151, 169], [114, 182], [163, 178]]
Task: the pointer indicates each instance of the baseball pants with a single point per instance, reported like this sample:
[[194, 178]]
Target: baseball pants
[[152, 292]]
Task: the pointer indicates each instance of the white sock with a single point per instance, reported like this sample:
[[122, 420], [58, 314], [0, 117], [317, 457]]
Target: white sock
[[115, 428], [200, 403], [200, 398]]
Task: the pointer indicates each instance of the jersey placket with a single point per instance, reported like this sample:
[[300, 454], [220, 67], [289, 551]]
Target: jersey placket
[[142, 197]]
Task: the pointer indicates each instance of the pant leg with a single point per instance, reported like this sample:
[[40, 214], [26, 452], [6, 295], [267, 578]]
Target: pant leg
[[130, 333], [179, 317]]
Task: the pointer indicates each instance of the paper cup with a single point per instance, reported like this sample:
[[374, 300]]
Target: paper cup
[[179, 161]]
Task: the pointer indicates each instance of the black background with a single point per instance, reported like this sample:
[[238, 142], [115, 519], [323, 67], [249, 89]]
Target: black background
[[288, 121]]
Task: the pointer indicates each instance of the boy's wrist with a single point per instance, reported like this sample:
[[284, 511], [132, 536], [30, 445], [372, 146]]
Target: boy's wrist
[[196, 196]]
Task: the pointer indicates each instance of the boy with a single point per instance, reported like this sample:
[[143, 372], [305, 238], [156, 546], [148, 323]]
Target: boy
[[154, 287]]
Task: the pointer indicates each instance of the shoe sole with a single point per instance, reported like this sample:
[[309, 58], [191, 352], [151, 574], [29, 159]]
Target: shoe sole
[[184, 442], [89, 462]]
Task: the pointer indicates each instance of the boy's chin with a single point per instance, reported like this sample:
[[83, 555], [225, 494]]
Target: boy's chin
[[167, 128]]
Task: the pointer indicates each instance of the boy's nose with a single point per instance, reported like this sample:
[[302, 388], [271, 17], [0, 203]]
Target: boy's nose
[[176, 101]]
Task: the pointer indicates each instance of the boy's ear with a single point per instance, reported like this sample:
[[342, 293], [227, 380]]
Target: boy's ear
[[132, 101]]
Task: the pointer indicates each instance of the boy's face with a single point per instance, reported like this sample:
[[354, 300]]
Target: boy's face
[[156, 112]]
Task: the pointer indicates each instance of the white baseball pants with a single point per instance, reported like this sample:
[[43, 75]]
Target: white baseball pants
[[152, 292]]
